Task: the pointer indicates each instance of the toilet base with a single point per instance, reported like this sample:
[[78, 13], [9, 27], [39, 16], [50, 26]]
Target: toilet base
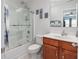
[[33, 56]]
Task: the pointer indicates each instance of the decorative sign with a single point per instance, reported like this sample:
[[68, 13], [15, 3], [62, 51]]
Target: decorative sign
[[41, 13], [46, 15], [37, 12]]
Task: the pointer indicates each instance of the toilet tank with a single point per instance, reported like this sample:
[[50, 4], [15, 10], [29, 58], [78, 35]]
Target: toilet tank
[[39, 39]]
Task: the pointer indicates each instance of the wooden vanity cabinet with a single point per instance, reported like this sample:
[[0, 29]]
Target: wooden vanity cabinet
[[56, 49]]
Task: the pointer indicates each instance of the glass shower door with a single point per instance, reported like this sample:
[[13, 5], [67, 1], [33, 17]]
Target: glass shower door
[[20, 29]]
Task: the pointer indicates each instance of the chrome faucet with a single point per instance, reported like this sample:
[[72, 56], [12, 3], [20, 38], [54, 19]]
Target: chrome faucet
[[63, 33], [77, 33]]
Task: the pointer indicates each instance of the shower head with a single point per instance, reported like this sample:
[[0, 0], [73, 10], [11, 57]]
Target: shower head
[[24, 8]]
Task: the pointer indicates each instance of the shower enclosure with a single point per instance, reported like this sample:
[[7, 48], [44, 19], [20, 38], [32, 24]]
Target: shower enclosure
[[17, 29], [19, 25]]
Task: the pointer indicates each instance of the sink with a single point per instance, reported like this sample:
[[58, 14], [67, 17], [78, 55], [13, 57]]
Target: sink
[[61, 36], [58, 36], [68, 38]]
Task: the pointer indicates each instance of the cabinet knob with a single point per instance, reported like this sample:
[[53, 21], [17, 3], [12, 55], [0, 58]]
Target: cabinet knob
[[63, 57], [74, 44], [56, 53]]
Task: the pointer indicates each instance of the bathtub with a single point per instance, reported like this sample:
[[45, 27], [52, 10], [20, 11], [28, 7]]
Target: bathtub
[[17, 53]]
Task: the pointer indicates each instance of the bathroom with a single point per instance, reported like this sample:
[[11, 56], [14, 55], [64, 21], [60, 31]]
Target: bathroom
[[28, 22]]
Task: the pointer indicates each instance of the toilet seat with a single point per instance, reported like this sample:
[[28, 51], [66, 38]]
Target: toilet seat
[[34, 46]]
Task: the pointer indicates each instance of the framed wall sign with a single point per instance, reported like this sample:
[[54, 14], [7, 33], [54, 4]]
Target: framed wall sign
[[41, 13], [46, 15], [37, 12]]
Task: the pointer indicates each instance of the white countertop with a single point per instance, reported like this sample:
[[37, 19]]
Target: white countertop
[[67, 38]]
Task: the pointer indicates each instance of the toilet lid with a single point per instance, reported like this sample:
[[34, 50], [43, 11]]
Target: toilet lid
[[34, 46]]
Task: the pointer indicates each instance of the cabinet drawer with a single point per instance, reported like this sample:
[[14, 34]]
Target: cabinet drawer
[[50, 41], [69, 46]]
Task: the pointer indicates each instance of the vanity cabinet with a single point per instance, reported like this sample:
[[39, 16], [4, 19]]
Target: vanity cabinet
[[57, 49]]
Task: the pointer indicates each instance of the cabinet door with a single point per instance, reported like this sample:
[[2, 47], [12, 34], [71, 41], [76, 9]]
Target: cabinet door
[[50, 52], [69, 55]]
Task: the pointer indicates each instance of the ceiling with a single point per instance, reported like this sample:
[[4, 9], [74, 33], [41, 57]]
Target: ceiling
[[15, 3], [19, 2]]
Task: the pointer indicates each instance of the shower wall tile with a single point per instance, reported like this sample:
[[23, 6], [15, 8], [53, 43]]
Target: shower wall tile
[[18, 35]]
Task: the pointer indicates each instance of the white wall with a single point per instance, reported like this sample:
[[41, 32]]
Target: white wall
[[42, 26]]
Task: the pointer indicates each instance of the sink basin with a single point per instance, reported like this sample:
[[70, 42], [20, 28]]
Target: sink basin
[[61, 36], [66, 37]]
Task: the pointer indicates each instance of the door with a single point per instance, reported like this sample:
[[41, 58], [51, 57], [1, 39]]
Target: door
[[69, 55], [50, 52]]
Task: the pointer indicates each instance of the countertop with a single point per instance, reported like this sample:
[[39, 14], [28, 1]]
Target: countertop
[[68, 38]]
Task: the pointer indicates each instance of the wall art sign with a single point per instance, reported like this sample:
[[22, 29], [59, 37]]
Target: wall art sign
[[37, 12], [41, 13], [46, 15]]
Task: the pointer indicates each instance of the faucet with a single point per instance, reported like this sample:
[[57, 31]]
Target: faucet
[[63, 33], [77, 33]]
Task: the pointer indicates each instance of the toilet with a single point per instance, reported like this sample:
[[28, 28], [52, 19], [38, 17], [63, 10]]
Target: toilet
[[34, 49]]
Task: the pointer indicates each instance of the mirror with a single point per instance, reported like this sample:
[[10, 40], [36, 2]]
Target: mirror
[[70, 18], [63, 13]]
